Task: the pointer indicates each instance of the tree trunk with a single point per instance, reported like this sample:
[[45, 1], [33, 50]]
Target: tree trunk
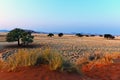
[[18, 42]]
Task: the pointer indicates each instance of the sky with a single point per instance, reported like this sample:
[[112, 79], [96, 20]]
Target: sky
[[84, 16]]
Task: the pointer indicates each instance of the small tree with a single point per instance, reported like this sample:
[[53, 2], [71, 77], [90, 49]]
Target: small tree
[[19, 35], [50, 35], [108, 36], [79, 35], [60, 34]]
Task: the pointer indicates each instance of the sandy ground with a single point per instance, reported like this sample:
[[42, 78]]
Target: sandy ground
[[107, 72], [38, 73]]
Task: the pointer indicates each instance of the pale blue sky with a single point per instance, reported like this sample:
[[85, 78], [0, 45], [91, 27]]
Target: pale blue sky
[[87, 16]]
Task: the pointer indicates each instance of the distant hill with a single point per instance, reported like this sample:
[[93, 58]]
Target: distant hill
[[4, 31], [32, 31]]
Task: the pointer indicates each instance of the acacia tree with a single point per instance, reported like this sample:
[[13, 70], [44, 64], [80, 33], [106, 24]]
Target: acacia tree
[[19, 35]]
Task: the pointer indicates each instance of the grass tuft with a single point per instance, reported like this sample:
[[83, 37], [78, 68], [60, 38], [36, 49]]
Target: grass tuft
[[24, 57], [33, 57]]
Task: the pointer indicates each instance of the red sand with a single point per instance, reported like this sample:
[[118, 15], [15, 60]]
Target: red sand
[[38, 73], [107, 72]]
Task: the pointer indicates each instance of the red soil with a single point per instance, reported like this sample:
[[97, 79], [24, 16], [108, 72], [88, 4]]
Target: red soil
[[38, 73], [106, 72]]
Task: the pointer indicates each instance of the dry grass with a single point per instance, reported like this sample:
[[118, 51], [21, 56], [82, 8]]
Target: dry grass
[[2, 37], [22, 58], [79, 51], [33, 57], [73, 47]]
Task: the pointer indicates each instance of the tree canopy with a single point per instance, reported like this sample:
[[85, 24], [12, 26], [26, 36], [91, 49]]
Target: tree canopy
[[20, 35]]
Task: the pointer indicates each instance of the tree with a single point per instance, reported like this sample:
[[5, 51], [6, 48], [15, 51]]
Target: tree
[[19, 35], [50, 35], [109, 36], [79, 35], [60, 34]]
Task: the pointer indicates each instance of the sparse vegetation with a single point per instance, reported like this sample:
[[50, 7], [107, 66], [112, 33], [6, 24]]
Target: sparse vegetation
[[79, 35], [66, 54], [50, 35], [60, 34], [101, 35], [32, 57], [108, 36], [86, 35], [22, 58], [92, 35]]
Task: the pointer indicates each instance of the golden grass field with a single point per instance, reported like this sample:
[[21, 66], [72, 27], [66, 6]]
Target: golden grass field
[[73, 47]]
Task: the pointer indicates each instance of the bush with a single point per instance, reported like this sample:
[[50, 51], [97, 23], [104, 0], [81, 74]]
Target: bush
[[60, 34], [50, 35], [70, 67], [23, 58], [56, 61], [79, 35], [32, 57], [52, 58], [108, 36]]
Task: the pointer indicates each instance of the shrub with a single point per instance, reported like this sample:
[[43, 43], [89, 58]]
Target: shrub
[[60, 34], [50, 35], [108, 36], [70, 67], [52, 58], [32, 57], [23, 58], [55, 61], [79, 35]]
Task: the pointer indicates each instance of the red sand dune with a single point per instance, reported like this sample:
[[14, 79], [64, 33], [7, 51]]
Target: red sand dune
[[38, 73], [107, 72]]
